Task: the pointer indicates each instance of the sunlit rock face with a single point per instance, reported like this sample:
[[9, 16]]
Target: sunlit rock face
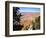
[[26, 20]]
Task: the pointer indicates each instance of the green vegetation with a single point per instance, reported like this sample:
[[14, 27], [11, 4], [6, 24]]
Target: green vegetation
[[36, 24]]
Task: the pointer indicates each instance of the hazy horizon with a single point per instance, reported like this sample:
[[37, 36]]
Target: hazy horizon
[[25, 10]]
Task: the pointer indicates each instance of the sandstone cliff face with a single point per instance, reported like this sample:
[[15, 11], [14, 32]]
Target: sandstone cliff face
[[26, 20]]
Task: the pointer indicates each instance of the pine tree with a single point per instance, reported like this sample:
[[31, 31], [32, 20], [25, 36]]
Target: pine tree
[[16, 19]]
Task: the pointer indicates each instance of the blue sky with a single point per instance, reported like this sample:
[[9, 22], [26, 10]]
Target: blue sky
[[29, 10]]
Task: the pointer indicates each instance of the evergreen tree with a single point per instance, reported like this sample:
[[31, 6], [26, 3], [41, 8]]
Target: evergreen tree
[[16, 19]]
